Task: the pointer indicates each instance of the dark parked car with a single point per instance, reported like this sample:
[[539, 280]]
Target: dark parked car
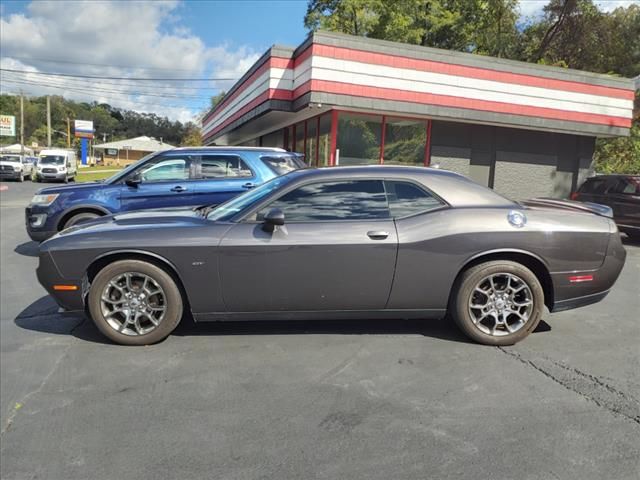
[[621, 193], [173, 178], [349, 242]]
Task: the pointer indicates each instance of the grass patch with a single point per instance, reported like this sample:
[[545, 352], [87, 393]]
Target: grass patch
[[91, 174]]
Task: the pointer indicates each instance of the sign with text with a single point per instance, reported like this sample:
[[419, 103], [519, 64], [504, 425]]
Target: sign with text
[[7, 126], [83, 128]]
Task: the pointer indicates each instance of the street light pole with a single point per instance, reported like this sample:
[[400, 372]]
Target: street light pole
[[21, 123], [48, 121]]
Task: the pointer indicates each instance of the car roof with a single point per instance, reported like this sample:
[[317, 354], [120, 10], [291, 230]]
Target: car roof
[[455, 189], [230, 148]]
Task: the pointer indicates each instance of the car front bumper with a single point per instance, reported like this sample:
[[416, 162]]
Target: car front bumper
[[13, 175], [48, 275], [51, 176], [37, 226]]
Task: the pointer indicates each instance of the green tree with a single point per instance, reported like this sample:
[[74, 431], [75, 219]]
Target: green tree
[[192, 136], [216, 99]]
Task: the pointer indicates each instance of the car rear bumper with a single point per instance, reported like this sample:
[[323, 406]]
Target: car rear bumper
[[580, 288]]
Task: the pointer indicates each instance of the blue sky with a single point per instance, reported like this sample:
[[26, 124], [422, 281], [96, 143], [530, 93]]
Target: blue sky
[[160, 38]]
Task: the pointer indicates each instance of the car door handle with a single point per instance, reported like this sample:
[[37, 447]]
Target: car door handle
[[248, 185], [377, 234], [179, 189]]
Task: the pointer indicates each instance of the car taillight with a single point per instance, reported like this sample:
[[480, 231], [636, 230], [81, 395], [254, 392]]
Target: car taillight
[[580, 278], [574, 196]]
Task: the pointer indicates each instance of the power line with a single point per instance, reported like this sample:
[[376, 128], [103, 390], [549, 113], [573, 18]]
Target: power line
[[70, 62], [91, 89], [133, 101], [120, 84], [121, 78]]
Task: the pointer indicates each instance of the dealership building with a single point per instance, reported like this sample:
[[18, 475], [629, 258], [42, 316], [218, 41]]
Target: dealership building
[[524, 129]]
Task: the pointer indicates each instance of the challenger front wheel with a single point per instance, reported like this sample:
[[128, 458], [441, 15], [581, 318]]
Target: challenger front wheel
[[135, 303]]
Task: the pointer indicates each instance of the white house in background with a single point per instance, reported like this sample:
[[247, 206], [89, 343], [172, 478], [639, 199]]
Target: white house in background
[[125, 152]]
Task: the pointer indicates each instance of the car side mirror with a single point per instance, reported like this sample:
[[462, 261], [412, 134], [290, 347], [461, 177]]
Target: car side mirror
[[274, 218], [134, 180]]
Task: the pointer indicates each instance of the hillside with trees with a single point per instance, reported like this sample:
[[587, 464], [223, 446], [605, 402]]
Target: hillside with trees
[[109, 123], [569, 34]]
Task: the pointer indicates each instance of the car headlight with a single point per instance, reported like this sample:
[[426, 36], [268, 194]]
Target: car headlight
[[44, 200], [61, 169], [17, 168]]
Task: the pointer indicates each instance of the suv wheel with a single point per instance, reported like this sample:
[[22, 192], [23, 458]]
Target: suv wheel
[[79, 218]]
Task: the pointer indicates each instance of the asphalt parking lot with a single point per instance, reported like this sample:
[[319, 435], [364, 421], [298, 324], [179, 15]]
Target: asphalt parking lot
[[306, 400]]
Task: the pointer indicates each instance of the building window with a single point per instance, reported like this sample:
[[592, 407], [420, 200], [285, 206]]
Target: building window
[[273, 139], [312, 133], [299, 143], [324, 141], [405, 141], [359, 139]]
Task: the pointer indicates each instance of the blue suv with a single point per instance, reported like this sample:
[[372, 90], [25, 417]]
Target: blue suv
[[180, 177]]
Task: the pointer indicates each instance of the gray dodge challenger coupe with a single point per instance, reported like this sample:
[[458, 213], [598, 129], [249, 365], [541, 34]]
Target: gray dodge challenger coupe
[[339, 243]]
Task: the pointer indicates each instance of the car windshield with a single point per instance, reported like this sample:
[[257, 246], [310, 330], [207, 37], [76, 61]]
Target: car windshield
[[283, 163], [52, 159], [229, 209], [10, 158]]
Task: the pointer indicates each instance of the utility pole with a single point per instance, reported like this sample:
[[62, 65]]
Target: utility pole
[[21, 123], [48, 121], [68, 133]]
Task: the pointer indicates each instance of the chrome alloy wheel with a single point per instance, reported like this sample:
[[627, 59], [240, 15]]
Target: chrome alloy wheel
[[133, 303], [500, 304]]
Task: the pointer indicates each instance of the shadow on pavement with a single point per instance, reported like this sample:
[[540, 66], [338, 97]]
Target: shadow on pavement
[[28, 249], [42, 316]]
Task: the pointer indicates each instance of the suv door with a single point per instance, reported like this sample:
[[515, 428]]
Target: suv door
[[624, 199], [165, 181], [336, 251], [221, 176]]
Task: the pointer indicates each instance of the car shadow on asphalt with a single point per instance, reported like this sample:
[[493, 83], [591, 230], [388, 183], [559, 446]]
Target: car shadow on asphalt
[[42, 316], [28, 249]]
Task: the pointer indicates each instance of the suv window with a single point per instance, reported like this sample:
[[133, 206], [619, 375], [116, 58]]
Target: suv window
[[626, 186], [166, 169], [407, 199], [281, 164], [223, 166], [346, 200], [594, 185]]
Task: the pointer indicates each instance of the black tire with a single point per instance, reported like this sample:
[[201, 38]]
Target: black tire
[[78, 218], [174, 302], [38, 179], [66, 179], [465, 287]]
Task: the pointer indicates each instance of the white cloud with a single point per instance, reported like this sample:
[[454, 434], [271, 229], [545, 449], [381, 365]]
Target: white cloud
[[533, 8], [116, 39]]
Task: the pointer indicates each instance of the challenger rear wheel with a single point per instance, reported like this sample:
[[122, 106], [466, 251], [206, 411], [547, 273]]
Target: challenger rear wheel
[[498, 302], [135, 303]]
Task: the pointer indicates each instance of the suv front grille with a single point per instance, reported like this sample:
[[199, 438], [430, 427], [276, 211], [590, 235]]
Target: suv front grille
[[49, 170]]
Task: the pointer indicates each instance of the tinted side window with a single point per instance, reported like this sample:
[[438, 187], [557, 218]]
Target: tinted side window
[[408, 199], [347, 200], [166, 169], [223, 166], [627, 186]]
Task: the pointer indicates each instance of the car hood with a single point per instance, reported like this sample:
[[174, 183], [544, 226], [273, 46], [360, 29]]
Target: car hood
[[137, 220], [5, 162], [71, 188]]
